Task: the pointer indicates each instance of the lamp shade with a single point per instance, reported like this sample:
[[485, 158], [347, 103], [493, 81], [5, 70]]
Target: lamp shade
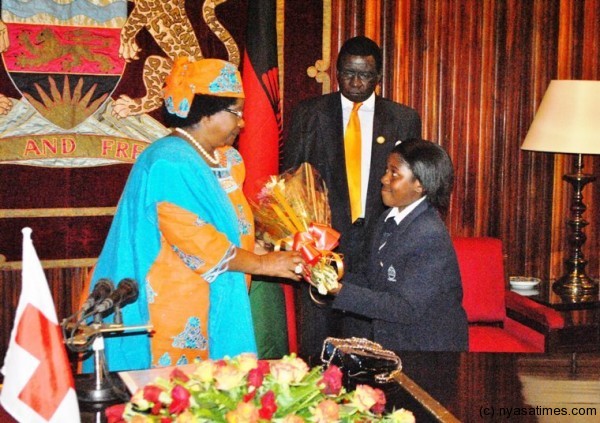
[[568, 120]]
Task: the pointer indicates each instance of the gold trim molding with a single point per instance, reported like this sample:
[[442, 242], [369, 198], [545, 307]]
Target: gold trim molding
[[320, 68], [280, 31], [57, 212], [49, 264]]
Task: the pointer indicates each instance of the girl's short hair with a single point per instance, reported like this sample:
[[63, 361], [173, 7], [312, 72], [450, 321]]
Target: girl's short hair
[[432, 167], [202, 105]]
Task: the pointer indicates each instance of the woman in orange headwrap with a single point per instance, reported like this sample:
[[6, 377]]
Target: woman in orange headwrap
[[185, 232]]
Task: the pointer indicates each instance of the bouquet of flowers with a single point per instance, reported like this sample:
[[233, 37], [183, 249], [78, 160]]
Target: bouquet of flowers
[[245, 390], [292, 212]]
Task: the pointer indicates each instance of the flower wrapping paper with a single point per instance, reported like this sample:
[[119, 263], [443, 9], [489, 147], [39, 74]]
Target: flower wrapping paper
[[292, 213]]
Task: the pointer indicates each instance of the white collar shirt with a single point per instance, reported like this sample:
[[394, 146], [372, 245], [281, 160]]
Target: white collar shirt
[[399, 215]]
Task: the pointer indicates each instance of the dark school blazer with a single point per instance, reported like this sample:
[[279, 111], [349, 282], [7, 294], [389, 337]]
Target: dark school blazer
[[412, 290]]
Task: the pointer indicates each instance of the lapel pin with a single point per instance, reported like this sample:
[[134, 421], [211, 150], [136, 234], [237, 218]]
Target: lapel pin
[[398, 143], [380, 140]]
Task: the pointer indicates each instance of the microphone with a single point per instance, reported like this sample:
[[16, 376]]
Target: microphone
[[127, 290], [103, 288]]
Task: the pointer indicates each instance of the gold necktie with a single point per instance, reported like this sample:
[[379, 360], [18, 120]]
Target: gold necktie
[[353, 159]]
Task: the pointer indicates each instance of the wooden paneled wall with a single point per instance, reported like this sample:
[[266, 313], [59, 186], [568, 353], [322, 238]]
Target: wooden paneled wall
[[477, 71]]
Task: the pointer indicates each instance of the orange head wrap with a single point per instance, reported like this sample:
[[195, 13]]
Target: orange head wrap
[[204, 76]]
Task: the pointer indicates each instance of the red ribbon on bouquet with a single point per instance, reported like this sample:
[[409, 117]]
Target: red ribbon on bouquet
[[316, 242], [319, 240]]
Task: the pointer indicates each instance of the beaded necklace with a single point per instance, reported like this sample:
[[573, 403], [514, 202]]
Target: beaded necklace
[[212, 160]]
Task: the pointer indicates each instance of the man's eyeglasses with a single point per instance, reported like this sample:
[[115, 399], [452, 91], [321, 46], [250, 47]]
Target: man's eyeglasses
[[238, 113], [363, 76]]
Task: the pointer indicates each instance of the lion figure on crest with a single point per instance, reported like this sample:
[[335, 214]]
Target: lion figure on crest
[[169, 25]]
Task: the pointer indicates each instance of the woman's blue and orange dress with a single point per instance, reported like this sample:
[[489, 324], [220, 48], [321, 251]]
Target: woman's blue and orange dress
[[177, 225]]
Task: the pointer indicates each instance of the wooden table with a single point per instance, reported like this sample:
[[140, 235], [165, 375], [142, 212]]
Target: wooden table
[[548, 297], [582, 321], [479, 387], [474, 387]]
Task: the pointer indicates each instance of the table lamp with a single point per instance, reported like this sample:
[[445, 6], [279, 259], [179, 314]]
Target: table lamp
[[568, 121]]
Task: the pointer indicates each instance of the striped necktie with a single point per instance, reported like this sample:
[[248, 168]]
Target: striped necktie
[[353, 159], [388, 228]]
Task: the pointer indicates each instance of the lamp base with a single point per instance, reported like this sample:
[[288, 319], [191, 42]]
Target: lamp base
[[575, 286]]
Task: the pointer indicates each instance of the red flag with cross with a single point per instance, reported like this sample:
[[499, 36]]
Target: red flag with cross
[[38, 382]]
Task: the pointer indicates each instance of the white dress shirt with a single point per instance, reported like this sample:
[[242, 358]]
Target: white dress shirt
[[399, 215]]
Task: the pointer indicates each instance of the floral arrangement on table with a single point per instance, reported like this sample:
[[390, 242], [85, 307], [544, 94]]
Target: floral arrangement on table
[[246, 390], [292, 213]]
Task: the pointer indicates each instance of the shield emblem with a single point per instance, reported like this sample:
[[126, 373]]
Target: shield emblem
[[64, 56]]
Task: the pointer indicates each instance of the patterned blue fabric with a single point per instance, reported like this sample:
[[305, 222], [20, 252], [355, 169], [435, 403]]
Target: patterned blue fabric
[[170, 170], [227, 81], [191, 336]]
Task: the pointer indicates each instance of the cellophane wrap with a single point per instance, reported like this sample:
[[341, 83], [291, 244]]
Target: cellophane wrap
[[292, 212]]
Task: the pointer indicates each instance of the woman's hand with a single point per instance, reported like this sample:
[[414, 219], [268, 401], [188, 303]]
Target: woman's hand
[[280, 264], [259, 248], [283, 264]]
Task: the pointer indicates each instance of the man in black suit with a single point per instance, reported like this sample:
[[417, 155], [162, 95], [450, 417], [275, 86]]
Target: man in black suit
[[316, 135]]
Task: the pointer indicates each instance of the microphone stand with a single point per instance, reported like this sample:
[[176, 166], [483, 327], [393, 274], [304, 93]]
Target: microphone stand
[[101, 387]]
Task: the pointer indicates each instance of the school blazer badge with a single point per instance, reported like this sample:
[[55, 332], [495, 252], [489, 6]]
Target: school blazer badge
[[391, 274]]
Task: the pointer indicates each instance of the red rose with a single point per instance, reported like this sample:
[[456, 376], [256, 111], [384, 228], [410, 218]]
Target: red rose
[[156, 409], [249, 396], [151, 393], [379, 406], [264, 367], [332, 379], [255, 378], [114, 413], [177, 374], [181, 400], [268, 406]]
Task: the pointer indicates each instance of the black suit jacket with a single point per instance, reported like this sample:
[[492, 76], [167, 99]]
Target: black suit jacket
[[412, 290], [316, 136]]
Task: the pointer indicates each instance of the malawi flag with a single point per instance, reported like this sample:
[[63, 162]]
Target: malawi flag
[[259, 146]]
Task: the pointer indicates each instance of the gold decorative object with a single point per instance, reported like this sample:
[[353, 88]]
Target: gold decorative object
[[320, 68]]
